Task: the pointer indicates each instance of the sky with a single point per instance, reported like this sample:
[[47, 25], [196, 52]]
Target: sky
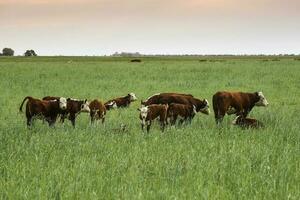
[[102, 27]]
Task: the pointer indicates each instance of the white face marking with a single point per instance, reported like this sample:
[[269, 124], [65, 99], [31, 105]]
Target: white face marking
[[132, 97], [144, 113], [262, 100], [114, 105], [85, 107], [63, 103]]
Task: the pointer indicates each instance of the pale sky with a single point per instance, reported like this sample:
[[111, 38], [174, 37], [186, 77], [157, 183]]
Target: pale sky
[[102, 27]]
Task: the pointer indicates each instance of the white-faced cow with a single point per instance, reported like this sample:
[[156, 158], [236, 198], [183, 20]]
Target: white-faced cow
[[151, 112], [181, 111], [238, 103], [120, 102], [98, 111], [41, 109], [74, 107]]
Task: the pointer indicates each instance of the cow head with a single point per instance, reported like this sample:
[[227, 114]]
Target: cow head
[[85, 106], [205, 107], [132, 96], [62, 103], [143, 113], [262, 101]]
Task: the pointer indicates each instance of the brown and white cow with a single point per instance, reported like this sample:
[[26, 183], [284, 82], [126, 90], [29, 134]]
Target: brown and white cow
[[168, 98], [120, 102], [74, 107], [239, 103], [184, 112], [41, 109], [247, 122], [151, 112], [97, 111]]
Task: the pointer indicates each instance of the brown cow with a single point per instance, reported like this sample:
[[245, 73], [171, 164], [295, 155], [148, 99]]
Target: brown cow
[[97, 111], [149, 113], [41, 109], [238, 103], [74, 107], [168, 98], [120, 101], [247, 122], [185, 112]]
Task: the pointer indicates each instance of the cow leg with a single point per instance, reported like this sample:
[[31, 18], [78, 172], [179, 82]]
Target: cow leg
[[148, 126], [62, 118], [72, 119], [29, 121], [173, 120], [103, 119], [162, 126], [92, 115]]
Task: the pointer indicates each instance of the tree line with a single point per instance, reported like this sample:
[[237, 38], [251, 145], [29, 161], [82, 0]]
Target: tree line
[[10, 52]]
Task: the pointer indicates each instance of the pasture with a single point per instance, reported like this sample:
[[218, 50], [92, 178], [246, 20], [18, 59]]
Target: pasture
[[198, 161]]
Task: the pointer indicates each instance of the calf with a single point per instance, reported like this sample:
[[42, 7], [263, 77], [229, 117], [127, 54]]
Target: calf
[[149, 113], [247, 122], [97, 111], [46, 110], [185, 112], [120, 101], [238, 103], [74, 107]]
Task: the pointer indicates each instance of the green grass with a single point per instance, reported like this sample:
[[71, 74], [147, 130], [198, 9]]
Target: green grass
[[199, 161]]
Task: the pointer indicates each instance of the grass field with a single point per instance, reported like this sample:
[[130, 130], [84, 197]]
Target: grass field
[[199, 161]]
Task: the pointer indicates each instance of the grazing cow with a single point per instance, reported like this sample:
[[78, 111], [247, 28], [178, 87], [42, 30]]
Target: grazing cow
[[74, 107], [149, 113], [136, 60], [168, 98], [120, 101], [41, 109], [97, 111], [238, 103], [185, 112], [247, 122]]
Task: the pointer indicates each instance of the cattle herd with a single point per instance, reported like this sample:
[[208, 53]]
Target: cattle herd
[[168, 108]]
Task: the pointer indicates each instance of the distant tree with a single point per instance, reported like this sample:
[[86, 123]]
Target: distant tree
[[30, 53], [7, 52]]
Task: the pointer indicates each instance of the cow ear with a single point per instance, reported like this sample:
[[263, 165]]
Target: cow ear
[[68, 99], [138, 109], [85, 100], [256, 93]]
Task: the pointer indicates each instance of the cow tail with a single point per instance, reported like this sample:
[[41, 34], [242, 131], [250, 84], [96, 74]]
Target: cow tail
[[28, 97]]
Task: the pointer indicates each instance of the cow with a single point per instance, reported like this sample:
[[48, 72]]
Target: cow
[[168, 98], [136, 60], [239, 103], [185, 112], [41, 109], [97, 111], [151, 112], [74, 107], [247, 122], [120, 102]]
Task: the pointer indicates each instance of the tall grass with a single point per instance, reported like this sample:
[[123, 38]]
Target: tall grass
[[199, 161]]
